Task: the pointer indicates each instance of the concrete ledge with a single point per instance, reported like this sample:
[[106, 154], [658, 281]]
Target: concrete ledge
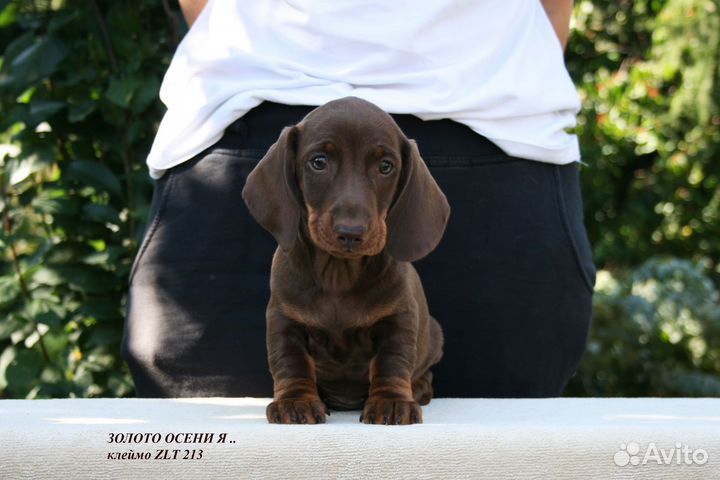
[[565, 438]]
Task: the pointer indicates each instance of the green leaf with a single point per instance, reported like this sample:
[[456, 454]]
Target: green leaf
[[44, 310], [67, 252], [51, 374], [9, 291], [8, 326], [47, 276], [7, 357], [80, 112], [15, 48], [55, 201], [86, 278], [35, 336], [94, 174], [23, 370], [45, 108], [98, 360], [20, 168], [120, 385], [98, 258], [61, 19], [8, 12], [105, 335], [21, 333], [51, 317], [101, 213], [54, 385], [146, 94], [122, 90], [102, 309], [38, 60]]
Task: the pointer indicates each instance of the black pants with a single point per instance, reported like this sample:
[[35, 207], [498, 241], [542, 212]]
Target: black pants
[[511, 282]]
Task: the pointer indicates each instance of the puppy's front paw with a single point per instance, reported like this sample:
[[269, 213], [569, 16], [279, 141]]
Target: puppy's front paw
[[391, 411], [297, 410]]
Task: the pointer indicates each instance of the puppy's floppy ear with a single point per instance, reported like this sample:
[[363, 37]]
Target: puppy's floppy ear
[[419, 215], [270, 191]]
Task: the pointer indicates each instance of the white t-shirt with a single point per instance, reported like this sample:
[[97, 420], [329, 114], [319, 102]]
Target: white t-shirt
[[494, 65]]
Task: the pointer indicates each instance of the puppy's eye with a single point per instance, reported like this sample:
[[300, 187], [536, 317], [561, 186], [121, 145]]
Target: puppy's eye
[[386, 167], [318, 162]]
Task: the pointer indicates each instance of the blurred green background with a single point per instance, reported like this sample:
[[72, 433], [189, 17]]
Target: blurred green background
[[78, 109]]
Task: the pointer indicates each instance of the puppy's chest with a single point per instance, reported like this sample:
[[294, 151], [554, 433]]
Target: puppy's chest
[[342, 365], [339, 332], [335, 313], [350, 349]]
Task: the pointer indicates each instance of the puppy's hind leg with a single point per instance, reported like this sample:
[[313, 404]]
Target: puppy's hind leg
[[422, 388]]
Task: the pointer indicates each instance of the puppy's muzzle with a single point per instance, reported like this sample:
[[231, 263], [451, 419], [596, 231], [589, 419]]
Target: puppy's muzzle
[[350, 237]]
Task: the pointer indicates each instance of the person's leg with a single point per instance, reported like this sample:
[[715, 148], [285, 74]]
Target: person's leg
[[511, 281], [198, 292]]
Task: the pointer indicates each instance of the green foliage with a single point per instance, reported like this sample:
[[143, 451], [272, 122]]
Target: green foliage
[[78, 93], [656, 332], [79, 81], [648, 72]]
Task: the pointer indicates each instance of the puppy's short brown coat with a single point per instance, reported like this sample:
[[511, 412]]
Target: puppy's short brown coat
[[351, 203]]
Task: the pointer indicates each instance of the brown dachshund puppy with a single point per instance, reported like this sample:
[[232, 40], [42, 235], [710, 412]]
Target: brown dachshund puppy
[[350, 203]]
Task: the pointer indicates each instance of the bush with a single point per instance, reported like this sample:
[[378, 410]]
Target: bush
[[656, 332], [79, 106]]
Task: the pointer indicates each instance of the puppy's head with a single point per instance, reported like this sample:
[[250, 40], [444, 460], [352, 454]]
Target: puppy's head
[[360, 183]]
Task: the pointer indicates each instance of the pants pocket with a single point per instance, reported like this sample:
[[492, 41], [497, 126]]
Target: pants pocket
[[570, 206], [157, 207]]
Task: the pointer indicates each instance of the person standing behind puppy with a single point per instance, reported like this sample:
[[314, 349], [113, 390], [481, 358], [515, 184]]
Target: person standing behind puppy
[[483, 89]]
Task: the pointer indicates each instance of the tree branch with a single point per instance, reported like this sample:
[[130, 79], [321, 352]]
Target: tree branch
[[7, 226], [105, 34]]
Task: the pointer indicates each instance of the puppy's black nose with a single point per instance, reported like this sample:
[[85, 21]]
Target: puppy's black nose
[[349, 236]]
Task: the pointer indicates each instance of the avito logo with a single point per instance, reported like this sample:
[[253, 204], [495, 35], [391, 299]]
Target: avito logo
[[680, 454]]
